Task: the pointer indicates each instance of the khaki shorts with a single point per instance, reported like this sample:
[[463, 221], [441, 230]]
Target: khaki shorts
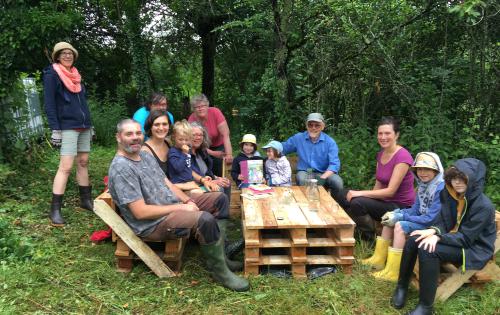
[[74, 142]]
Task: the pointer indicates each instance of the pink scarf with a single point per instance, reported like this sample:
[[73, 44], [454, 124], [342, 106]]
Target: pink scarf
[[71, 79]]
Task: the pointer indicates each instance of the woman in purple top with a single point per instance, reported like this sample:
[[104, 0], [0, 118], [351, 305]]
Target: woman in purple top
[[393, 182]]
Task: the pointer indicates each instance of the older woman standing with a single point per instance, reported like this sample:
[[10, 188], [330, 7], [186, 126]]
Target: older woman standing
[[393, 182], [218, 130], [69, 119]]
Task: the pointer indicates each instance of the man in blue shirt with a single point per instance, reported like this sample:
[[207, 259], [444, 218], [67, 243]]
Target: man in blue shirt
[[157, 101], [316, 151]]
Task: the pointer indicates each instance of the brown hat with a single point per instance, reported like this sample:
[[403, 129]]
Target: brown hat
[[63, 45]]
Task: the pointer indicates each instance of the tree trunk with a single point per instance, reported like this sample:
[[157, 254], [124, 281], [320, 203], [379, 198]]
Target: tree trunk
[[208, 44]]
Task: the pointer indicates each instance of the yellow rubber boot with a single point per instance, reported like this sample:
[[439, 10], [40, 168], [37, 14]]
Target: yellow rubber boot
[[379, 255], [391, 270]]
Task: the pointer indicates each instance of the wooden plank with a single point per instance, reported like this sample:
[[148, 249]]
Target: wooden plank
[[288, 213], [298, 254], [122, 249], [299, 237], [251, 213], [491, 272], [251, 270], [321, 242], [312, 217], [111, 218], [322, 260], [346, 235], [336, 215], [452, 284], [267, 207], [299, 271], [275, 260], [346, 241], [252, 255], [276, 242], [346, 252], [252, 237], [174, 249]]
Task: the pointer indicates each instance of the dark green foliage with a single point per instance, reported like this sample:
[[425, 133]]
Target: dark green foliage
[[106, 113]]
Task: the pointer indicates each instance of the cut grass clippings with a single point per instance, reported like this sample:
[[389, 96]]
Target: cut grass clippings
[[67, 274]]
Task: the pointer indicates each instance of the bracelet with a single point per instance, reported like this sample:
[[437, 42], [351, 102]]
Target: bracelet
[[189, 200]]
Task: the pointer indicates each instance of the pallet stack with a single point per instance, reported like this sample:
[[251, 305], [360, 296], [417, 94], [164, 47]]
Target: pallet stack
[[286, 233]]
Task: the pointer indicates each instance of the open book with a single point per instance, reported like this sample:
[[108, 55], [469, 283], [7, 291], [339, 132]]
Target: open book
[[252, 171]]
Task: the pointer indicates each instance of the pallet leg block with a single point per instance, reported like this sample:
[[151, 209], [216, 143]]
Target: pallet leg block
[[299, 271]]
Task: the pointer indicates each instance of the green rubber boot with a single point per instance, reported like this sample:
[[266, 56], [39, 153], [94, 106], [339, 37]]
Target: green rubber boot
[[214, 254], [231, 264]]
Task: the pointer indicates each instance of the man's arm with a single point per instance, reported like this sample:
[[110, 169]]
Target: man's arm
[[142, 211], [179, 193], [333, 159], [228, 150]]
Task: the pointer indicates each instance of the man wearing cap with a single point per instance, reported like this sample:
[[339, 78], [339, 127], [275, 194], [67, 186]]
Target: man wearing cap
[[318, 153]]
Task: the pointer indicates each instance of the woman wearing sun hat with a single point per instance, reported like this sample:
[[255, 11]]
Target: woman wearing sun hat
[[68, 117]]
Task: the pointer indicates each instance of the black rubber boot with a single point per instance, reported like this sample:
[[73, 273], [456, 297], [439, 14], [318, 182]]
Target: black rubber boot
[[216, 260], [428, 279], [408, 260], [231, 264], [233, 248], [55, 216], [86, 197], [365, 226]]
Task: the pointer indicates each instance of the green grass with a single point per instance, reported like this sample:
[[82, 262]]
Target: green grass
[[67, 274]]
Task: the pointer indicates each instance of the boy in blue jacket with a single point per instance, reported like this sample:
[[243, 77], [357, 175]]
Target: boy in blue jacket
[[401, 222]]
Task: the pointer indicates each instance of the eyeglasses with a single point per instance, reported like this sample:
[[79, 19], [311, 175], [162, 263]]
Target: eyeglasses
[[67, 53], [313, 125], [200, 106]]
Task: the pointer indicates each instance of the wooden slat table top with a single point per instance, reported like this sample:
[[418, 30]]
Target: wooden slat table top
[[289, 208]]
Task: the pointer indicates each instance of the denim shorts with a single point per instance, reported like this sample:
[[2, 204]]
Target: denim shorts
[[409, 227], [74, 141]]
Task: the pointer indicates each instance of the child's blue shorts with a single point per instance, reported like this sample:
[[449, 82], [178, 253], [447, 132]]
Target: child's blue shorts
[[409, 227]]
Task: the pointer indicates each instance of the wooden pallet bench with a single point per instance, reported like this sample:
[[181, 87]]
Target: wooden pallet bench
[[284, 230], [452, 278], [169, 251]]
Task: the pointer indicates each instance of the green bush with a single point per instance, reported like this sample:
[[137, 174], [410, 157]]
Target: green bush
[[106, 113], [13, 247], [357, 149]]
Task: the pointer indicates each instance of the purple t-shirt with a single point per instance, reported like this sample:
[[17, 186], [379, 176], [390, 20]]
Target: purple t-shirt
[[405, 195]]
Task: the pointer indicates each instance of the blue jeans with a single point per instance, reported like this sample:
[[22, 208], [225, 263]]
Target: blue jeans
[[333, 182]]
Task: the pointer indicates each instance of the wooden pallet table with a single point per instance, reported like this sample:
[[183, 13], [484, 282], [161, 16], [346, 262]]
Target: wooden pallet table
[[287, 230]]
